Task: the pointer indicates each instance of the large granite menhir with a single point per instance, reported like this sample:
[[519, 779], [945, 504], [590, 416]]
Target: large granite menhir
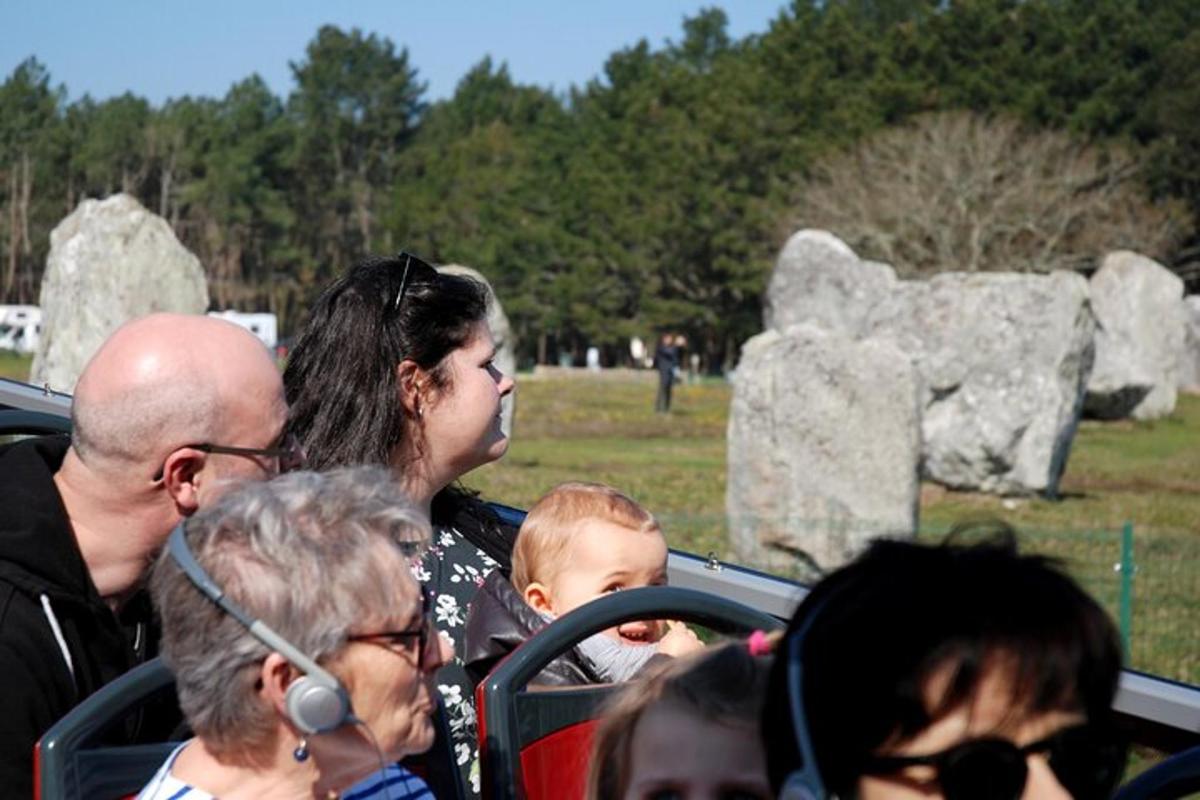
[[819, 279], [1139, 340], [502, 334], [824, 441], [1003, 359], [110, 261]]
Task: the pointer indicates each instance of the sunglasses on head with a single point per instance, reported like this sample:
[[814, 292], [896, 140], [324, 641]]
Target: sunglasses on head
[[1087, 760], [412, 267]]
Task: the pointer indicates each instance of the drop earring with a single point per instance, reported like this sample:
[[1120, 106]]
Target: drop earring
[[301, 751]]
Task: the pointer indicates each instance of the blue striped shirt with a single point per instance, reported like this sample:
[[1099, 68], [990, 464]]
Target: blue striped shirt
[[393, 783]]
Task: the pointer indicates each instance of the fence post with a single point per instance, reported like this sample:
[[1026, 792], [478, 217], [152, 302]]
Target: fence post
[[1126, 609]]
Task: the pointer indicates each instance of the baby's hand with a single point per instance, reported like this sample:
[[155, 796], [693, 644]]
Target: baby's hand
[[679, 640]]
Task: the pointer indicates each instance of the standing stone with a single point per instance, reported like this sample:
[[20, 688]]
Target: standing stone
[[110, 261], [1139, 339], [1004, 359], [819, 279], [502, 333], [1189, 361], [824, 445]]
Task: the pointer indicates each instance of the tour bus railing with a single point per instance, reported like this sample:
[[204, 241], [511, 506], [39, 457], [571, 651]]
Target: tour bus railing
[[1152, 699], [15, 394]]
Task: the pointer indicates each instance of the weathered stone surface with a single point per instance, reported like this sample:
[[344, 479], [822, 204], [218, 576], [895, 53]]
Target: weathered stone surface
[[1138, 340], [818, 278], [110, 261], [824, 446], [1189, 361], [506, 345], [1004, 359]]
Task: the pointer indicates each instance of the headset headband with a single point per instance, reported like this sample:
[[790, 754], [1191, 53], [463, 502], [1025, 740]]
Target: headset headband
[[804, 783], [317, 702]]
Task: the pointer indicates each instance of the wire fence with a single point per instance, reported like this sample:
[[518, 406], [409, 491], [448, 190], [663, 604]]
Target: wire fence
[[1147, 579]]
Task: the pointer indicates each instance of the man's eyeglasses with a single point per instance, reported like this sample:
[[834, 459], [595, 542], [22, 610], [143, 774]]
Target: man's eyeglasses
[[413, 266], [289, 452], [1087, 760]]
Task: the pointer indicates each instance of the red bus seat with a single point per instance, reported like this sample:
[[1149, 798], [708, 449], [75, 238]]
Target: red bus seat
[[72, 763], [536, 744]]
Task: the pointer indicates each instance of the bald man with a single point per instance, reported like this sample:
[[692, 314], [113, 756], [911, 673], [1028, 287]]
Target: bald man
[[171, 411]]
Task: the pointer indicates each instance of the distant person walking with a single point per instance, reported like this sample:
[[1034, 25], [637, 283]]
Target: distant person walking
[[666, 361]]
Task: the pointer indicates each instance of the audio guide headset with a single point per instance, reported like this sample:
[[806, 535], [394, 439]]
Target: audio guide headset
[[316, 702], [803, 783]]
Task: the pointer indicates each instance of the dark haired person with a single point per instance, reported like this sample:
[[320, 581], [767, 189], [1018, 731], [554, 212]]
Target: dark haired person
[[952, 671], [666, 361], [395, 368]]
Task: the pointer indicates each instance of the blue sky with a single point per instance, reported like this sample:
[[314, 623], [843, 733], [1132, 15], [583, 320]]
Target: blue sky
[[169, 48]]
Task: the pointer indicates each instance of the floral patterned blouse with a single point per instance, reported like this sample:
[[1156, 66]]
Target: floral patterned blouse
[[450, 572]]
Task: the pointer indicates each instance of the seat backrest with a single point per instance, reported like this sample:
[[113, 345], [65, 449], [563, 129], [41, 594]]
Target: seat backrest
[[15, 421], [1178, 776], [537, 744], [556, 726], [71, 761]]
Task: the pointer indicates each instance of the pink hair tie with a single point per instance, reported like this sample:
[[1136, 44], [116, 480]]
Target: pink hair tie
[[758, 644]]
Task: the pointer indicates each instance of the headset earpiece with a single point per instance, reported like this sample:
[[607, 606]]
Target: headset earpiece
[[314, 706]]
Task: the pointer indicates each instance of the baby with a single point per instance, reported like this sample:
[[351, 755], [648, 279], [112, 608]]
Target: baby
[[579, 542]]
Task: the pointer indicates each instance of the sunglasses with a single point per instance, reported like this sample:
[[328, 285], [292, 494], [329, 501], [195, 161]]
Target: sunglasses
[[1088, 761], [413, 266]]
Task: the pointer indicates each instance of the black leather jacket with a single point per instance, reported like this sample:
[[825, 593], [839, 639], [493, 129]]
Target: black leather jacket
[[500, 621]]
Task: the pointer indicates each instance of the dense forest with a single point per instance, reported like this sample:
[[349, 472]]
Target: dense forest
[[658, 194]]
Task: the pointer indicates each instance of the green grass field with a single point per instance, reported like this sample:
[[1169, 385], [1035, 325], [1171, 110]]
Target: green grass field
[[1147, 474], [1144, 472], [14, 365]]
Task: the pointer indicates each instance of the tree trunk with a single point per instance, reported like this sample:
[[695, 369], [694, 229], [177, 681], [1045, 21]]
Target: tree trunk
[[164, 190], [10, 267], [26, 201]]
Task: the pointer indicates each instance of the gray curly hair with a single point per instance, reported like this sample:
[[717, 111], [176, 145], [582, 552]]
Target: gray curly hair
[[309, 554]]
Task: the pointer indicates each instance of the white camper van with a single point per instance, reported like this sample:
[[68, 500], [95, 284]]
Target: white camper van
[[264, 326], [20, 327]]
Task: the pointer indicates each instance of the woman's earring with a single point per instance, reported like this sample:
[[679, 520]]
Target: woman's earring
[[301, 751]]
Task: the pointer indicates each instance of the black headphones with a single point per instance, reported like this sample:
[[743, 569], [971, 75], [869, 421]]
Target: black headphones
[[316, 702], [804, 783]]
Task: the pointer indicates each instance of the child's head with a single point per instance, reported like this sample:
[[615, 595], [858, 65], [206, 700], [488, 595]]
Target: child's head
[[689, 730], [584, 540]]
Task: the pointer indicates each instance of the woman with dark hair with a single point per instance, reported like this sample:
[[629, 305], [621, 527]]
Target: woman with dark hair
[[952, 671], [395, 367]]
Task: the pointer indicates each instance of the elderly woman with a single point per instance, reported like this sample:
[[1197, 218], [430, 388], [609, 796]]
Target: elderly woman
[[395, 367], [302, 652]]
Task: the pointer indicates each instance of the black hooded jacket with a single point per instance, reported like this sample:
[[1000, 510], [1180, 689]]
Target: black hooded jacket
[[59, 642], [498, 622]]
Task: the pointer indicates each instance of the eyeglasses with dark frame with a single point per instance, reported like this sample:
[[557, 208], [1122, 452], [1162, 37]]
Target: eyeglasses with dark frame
[[423, 634], [289, 452], [1087, 760]]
